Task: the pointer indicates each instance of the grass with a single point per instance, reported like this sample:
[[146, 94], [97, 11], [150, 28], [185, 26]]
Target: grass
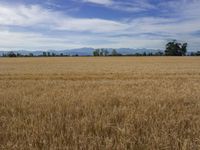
[[100, 103]]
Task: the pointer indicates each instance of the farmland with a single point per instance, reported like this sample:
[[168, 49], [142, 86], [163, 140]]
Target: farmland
[[100, 103]]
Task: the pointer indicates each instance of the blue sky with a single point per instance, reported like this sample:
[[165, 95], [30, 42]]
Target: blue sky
[[66, 24]]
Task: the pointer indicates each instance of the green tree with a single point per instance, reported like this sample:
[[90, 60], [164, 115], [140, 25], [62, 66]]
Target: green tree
[[19, 55], [53, 54], [174, 48], [198, 53], [48, 54], [101, 52], [114, 53], [30, 55], [11, 54], [106, 52], [44, 54], [184, 48], [144, 54], [96, 52]]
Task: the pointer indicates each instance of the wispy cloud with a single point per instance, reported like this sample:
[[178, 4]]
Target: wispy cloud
[[36, 16], [36, 27], [131, 5], [101, 2]]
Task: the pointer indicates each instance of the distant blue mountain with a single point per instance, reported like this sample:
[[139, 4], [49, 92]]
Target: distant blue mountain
[[126, 51], [84, 51]]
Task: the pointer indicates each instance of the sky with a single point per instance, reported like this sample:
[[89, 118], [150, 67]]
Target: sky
[[68, 24]]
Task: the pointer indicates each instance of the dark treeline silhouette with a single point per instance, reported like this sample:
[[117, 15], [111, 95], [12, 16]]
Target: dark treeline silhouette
[[173, 48], [105, 52], [195, 53], [96, 53], [49, 54], [45, 54]]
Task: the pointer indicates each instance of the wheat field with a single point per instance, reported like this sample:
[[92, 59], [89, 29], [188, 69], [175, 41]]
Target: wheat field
[[102, 103]]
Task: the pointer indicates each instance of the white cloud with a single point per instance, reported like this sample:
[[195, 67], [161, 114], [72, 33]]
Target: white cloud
[[102, 2], [37, 41], [131, 6], [22, 15], [34, 15], [91, 25], [149, 31], [33, 41]]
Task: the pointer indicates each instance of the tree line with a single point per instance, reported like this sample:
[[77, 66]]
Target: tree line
[[44, 54], [173, 48], [105, 52]]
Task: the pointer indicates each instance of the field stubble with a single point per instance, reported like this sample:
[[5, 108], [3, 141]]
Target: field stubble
[[100, 103]]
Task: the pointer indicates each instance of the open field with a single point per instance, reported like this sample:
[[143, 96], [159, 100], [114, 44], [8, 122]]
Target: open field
[[100, 103]]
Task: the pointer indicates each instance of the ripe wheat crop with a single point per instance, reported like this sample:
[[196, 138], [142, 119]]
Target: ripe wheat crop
[[100, 103]]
